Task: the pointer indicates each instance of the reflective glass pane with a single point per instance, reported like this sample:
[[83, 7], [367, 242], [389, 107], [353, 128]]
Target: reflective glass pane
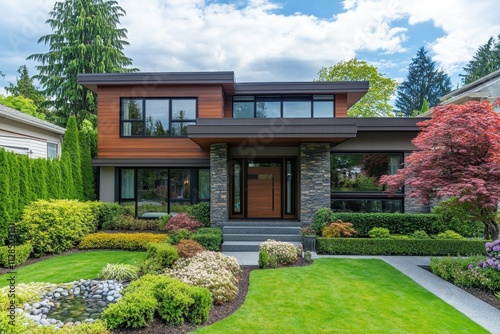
[[361, 171], [179, 129], [131, 109], [183, 109], [204, 184], [236, 188], [127, 183], [367, 205], [152, 192], [296, 109], [323, 109], [157, 117], [132, 128], [268, 109], [180, 184], [243, 109]]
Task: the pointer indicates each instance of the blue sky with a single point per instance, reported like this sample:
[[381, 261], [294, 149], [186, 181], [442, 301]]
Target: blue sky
[[273, 40]]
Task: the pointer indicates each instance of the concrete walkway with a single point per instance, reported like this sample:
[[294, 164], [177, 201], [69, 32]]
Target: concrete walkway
[[478, 311]]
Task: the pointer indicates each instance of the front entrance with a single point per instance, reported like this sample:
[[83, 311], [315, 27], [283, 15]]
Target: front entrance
[[263, 188]]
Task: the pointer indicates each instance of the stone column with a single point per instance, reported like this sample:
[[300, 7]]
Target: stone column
[[314, 159], [219, 183]]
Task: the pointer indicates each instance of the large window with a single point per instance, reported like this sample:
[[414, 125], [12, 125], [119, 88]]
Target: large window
[[157, 117], [51, 151], [154, 192], [284, 106], [355, 182]]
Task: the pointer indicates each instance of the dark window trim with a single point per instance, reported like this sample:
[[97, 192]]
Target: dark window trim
[[170, 121], [284, 98], [369, 198]]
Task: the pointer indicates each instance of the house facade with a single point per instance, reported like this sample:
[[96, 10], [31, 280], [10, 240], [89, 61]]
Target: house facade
[[267, 150], [27, 135]]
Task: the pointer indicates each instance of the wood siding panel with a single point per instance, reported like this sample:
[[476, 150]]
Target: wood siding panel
[[110, 145], [228, 107], [263, 184], [341, 105]]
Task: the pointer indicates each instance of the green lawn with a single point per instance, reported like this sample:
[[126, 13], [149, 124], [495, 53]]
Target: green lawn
[[67, 268], [341, 296]]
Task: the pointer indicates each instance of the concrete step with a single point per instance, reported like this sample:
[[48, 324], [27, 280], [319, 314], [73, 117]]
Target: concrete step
[[245, 246], [263, 237], [291, 230], [275, 223]]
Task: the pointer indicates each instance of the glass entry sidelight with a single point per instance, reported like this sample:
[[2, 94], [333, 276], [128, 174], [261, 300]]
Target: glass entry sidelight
[[264, 190]]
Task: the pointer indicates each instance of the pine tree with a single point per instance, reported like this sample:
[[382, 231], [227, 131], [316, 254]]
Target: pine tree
[[5, 218], [84, 39], [423, 81], [485, 61], [71, 152]]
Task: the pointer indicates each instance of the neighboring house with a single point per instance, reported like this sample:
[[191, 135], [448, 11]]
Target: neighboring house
[[28, 135], [277, 150]]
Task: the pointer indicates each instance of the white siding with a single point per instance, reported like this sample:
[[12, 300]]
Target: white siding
[[107, 184]]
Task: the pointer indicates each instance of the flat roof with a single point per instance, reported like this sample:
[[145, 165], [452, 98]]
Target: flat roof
[[354, 89]]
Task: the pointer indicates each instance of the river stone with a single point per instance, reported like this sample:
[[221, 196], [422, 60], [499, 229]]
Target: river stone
[[44, 322], [57, 295], [110, 298], [36, 312], [37, 305], [44, 310], [97, 296]]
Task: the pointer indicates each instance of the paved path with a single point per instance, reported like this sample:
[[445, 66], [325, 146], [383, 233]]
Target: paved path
[[478, 311]]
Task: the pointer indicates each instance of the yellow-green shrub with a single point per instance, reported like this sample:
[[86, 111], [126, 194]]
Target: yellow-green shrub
[[131, 241], [56, 225], [22, 252]]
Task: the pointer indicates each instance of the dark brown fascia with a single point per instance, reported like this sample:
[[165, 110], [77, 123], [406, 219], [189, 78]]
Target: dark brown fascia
[[149, 79], [314, 87], [388, 124], [140, 162]]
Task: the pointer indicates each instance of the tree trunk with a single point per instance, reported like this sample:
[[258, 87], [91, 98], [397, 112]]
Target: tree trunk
[[494, 230]]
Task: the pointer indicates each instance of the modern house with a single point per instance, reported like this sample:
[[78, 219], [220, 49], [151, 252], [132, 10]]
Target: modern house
[[255, 150], [28, 135], [485, 88]]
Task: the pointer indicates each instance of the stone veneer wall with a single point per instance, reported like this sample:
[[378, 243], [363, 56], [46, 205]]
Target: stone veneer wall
[[411, 204], [219, 184], [314, 179]]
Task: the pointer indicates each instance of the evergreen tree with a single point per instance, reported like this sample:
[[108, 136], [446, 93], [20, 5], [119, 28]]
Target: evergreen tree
[[33, 193], [423, 81], [84, 39], [86, 162], [15, 205], [71, 152], [376, 101], [5, 218], [25, 87], [485, 61], [25, 188], [42, 178], [57, 183]]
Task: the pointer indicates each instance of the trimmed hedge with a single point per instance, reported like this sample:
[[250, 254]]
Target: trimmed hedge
[[55, 226], [209, 238], [397, 223], [201, 212], [429, 247], [130, 241], [22, 252]]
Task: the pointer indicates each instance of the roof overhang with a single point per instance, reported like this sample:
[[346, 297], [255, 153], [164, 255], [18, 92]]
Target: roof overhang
[[153, 79], [140, 162], [258, 132]]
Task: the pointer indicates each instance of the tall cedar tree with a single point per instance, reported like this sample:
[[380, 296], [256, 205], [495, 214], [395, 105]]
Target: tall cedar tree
[[423, 81], [85, 139], [71, 152], [25, 87], [376, 101], [485, 61], [458, 156], [84, 39], [24, 181], [15, 190], [5, 218]]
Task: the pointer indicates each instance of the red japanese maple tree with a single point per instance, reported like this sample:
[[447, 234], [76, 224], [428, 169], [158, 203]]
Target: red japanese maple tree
[[458, 155]]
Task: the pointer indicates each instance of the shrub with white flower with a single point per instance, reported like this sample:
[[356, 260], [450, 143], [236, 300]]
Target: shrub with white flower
[[215, 271], [285, 252], [24, 293]]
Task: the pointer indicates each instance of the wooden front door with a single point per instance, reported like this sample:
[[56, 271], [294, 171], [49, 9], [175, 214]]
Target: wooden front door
[[264, 190]]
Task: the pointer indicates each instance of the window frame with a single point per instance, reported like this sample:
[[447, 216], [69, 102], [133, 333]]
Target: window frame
[[56, 151], [144, 116], [282, 99]]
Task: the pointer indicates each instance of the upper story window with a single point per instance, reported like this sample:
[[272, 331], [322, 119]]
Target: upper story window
[[157, 117], [284, 106]]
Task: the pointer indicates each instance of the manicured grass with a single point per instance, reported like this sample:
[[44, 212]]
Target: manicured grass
[[341, 296], [67, 268]]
